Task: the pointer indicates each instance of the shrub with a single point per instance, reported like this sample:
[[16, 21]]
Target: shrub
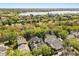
[[63, 34], [6, 35], [56, 30], [71, 43], [1, 23], [68, 28], [46, 51], [43, 50], [28, 26], [40, 32], [10, 52], [37, 51], [18, 53], [75, 28], [41, 25], [51, 25], [37, 31], [7, 21], [4, 22], [71, 28], [18, 27], [28, 34], [60, 32]]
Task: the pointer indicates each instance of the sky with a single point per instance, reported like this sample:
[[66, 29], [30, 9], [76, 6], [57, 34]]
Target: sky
[[39, 5]]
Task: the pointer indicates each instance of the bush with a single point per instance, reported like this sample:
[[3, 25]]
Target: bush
[[63, 34], [42, 50], [7, 21], [67, 28], [59, 32], [18, 53], [46, 51], [56, 30], [18, 27], [1, 23], [71, 28], [40, 32], [10, 52], [37, 51], [37, 31], [28, 34], [6, 35], [71, 43], [75, 28]]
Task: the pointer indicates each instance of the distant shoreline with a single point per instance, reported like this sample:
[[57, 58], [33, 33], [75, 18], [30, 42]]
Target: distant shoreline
[[51, 12]]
